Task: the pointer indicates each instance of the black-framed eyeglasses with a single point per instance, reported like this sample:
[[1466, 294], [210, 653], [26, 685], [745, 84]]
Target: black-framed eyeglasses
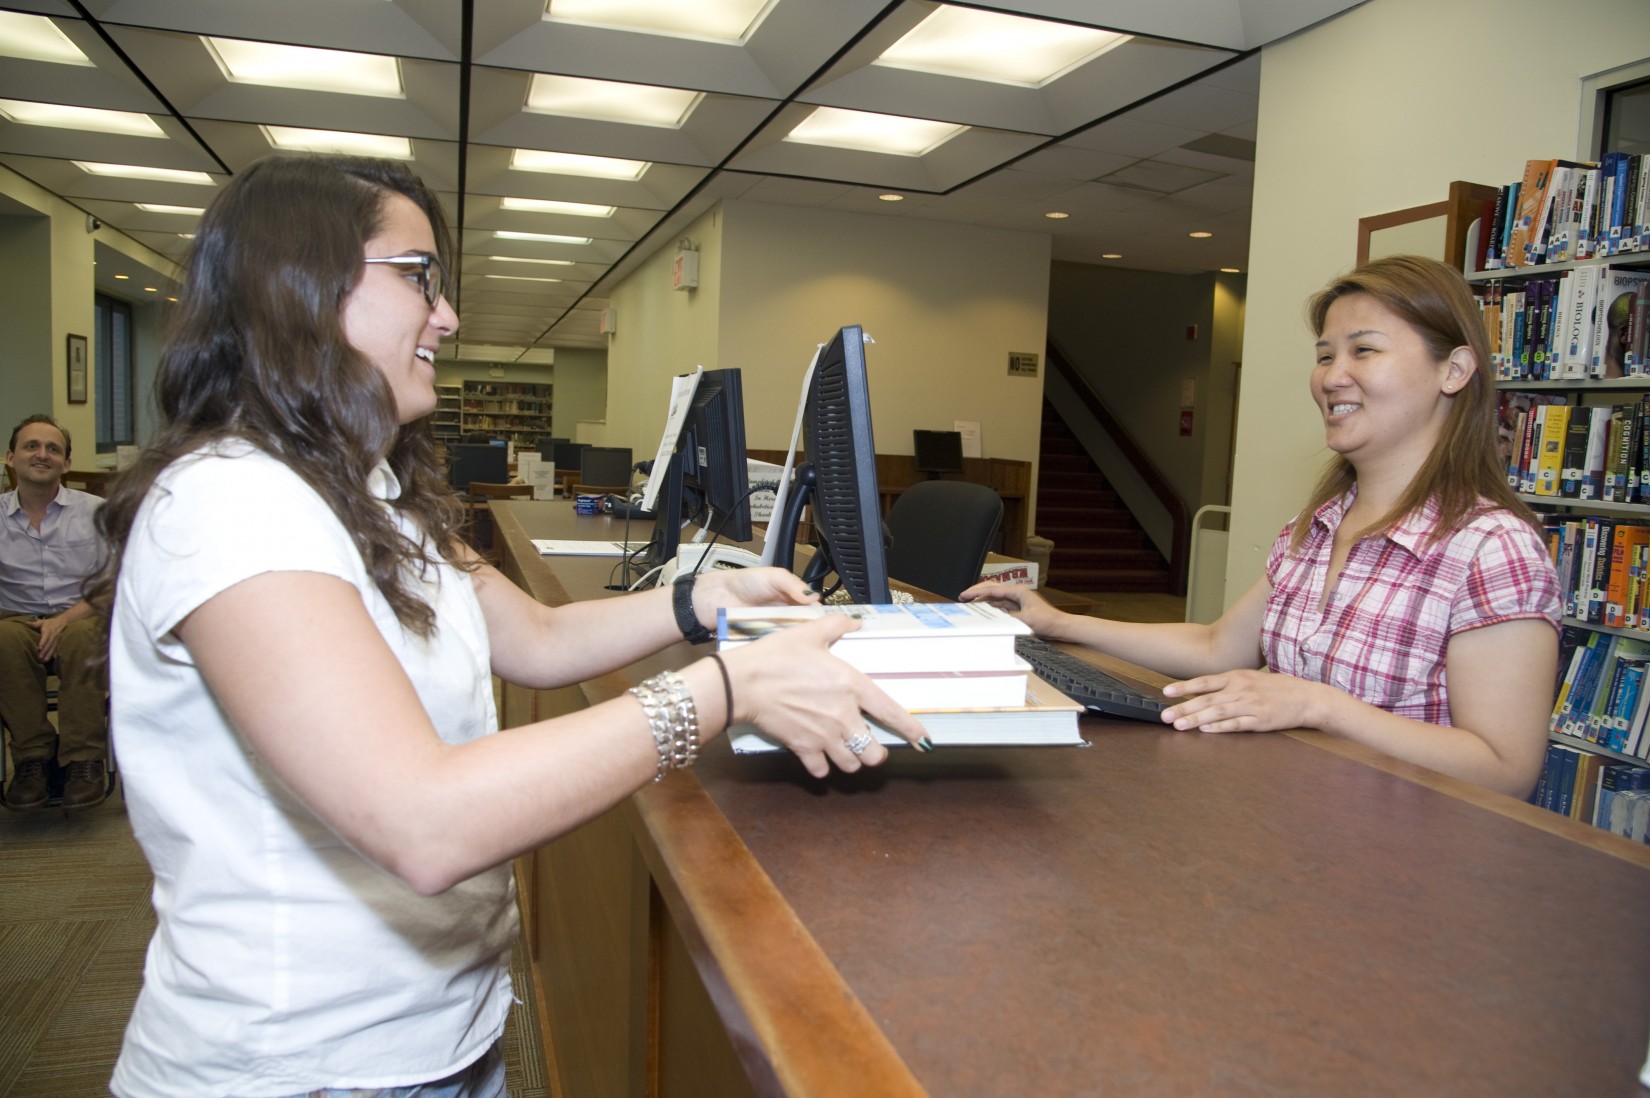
[[430, 272]]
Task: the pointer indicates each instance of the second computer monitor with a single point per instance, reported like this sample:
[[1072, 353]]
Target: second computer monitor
[[483, 461], [567, 455], [937, 451], [606, 467]]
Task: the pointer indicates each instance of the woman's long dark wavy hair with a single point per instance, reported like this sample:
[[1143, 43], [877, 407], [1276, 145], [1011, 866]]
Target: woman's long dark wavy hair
[[256, 350]]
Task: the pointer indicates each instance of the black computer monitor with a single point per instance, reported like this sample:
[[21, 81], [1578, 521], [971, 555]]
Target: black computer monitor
[[568, 455], [837, 474], [547, 447], [707, 480], [937, 452], [605, 466], [484, 461]]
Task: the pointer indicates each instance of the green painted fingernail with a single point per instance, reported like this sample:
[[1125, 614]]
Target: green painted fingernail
[[925, 744]]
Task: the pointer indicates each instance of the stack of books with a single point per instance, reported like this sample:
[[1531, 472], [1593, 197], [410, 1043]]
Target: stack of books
[[951, 665]]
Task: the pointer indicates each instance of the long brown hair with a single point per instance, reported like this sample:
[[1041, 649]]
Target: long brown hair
[[1464, 469], [256, 351]]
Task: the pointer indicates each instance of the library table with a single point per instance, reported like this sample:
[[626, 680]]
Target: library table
[[1160, 913]]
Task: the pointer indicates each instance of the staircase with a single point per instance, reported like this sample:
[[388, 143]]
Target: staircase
[[1098, 545]]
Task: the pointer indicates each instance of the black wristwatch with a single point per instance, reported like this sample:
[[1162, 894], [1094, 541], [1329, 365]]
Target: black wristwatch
[[686, 620]]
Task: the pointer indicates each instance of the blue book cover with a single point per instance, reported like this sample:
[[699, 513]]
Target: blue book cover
[[1566, 782]]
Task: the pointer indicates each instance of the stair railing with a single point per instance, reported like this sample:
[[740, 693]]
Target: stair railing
[[1141, 486]]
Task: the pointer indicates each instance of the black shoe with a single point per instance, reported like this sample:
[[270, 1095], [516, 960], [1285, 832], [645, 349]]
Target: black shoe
[[87, 784], [28, 785]]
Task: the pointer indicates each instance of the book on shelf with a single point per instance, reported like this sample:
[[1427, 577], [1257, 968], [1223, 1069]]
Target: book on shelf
[[1618, 288], [1555, 421], [897, 638], [1046, 718]]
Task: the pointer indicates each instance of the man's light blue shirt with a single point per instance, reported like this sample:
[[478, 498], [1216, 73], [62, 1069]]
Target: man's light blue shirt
[[41, 571]]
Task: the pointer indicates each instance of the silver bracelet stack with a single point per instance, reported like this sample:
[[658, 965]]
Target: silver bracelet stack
[[672, 718]]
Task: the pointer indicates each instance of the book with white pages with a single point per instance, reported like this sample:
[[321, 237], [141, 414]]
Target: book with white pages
[[1045, 718], [895, 638], [955, 689]]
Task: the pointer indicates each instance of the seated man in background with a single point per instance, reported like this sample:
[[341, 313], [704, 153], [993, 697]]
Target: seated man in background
[[48, 545]]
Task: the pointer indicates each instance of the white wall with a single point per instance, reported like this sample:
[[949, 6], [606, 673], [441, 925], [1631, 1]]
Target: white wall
[[660, 332], [944, 303], [1377, 110]]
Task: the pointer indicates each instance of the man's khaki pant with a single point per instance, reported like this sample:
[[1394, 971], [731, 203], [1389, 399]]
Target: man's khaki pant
[[82, 733]]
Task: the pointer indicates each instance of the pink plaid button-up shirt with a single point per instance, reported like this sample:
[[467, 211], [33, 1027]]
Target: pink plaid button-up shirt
[[1384, 632]]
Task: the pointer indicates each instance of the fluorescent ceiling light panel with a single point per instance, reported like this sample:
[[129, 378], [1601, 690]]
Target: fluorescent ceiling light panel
[[731, 21], [521, 259], [296, 139], [125, 123], [139, 171], [157, 208], [1002, 49], [36, 38], [275, 66], [522, 278], [545, 205], [486, 351], [867, 132], [591, 167], [611, 101], [542, 238]]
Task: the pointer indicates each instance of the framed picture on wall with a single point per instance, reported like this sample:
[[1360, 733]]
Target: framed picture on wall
[[77, 369]]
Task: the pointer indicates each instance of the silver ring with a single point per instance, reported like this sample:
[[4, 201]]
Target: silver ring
[[859, 741]]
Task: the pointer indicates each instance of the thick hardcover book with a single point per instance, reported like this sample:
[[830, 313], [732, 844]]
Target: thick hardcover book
[[1601, 571], [1566, 781], [1538, 795], [1575, 330], [1623, 551], [1046, 719], [897, 638], [1493, 253], [1637, 339], [955, 689]]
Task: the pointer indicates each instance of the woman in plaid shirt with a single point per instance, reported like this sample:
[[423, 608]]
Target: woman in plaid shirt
[[1411, 606]]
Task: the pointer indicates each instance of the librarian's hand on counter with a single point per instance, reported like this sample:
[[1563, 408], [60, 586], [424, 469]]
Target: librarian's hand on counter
[[790, 686], [1244, 701], [1020, 601]]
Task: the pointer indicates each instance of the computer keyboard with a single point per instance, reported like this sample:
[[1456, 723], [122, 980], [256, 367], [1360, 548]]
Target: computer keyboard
[[1085, 683]]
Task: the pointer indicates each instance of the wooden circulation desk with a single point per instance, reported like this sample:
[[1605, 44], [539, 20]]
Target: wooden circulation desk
[[1161, 913]]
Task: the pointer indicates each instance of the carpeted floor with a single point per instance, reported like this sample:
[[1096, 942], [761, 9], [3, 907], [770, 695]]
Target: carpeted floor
[[74, 923]]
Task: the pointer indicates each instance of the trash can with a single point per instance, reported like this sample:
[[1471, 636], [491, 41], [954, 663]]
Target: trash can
[[1038, 551]]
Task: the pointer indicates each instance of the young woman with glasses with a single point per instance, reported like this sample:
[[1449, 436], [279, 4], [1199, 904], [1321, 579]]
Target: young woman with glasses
[[301, 654]]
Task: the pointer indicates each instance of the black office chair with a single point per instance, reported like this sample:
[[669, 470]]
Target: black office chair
[[939, 533]]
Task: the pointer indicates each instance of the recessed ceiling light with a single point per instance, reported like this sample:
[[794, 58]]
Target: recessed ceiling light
[[892, 197], [148, 289], [298, 139], [187, 236], [159, 208], [1200, 235], [522, 259], [139, 171], [592, 167], [1003, 49], [169, 298], [521, 278], [1230, 270], [867, 132], [1056, 215], [125, 123], [611, 101], [543, 238], [123, 277], [705, 20], [36, 38], [544, 205], [1112, 255], [275, 66]]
